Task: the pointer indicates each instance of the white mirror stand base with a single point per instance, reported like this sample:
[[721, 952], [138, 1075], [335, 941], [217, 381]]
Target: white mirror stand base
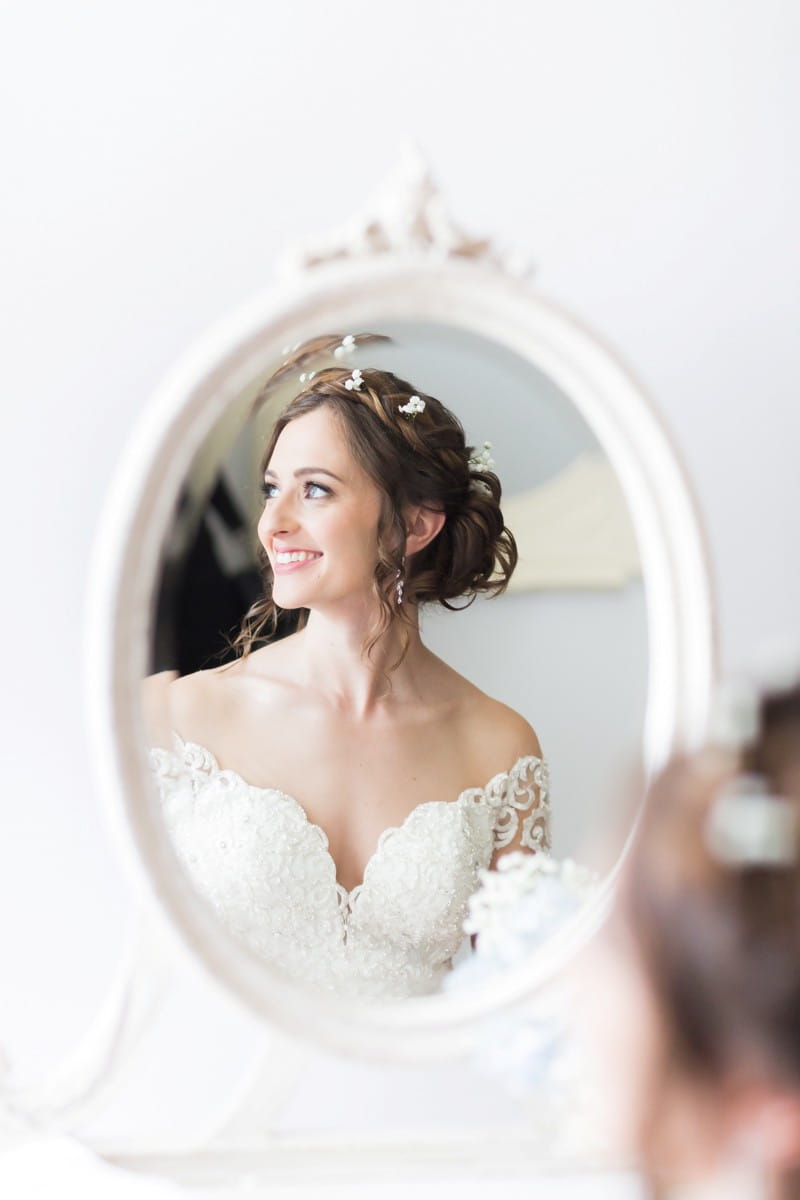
[[238, 1142]]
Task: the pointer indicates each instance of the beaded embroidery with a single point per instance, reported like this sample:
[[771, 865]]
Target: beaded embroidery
[[267, 871]]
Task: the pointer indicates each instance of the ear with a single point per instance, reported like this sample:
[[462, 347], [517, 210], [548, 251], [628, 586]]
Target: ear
[[422, 526]]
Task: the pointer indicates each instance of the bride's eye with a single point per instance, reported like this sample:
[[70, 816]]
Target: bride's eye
[[316, 491], [268, 490]]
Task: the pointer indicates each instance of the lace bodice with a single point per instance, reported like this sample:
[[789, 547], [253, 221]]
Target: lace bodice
[[267, 871]]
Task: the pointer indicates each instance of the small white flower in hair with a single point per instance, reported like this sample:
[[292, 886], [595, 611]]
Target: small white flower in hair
[[482, 460], [355, 382], [415, 405], [307, 376], [348, 344]]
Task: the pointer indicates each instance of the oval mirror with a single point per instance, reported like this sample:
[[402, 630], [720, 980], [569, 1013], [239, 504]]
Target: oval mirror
[[602, 640]]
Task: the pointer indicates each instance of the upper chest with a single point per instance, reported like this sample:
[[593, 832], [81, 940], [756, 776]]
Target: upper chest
[[346, 772]]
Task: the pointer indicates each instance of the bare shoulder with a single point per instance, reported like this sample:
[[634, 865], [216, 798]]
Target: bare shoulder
[[182, 704], [155, 707], [209, 707], [495, 734], [505, 733]]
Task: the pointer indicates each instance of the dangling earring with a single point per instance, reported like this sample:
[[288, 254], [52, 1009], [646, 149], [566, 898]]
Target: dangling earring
[[400, 585]]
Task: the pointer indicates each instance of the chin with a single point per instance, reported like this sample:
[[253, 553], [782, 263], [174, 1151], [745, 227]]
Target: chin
[[292, 598]]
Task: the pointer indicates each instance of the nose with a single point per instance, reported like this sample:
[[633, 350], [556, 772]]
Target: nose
[[279, 515]]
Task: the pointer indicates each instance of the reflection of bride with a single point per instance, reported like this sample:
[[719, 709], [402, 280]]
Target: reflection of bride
[[328, 792]]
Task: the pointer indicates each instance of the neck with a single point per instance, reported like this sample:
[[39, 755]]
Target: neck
[[336, 665]]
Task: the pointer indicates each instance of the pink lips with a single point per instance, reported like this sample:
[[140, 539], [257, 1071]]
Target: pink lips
[[287, 567]]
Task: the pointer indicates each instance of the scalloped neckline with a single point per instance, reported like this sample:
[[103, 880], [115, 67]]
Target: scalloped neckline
[[347, 896]]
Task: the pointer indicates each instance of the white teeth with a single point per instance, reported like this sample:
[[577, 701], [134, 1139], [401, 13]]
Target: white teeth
[[290, 556]]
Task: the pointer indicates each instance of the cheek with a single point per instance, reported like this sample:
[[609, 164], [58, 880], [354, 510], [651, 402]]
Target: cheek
[[355, 537], [366, 548]]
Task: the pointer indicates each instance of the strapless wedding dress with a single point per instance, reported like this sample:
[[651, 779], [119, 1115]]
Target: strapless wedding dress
[[267, 871]]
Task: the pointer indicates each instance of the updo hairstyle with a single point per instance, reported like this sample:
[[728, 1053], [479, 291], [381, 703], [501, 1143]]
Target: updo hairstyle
[[418, 459], [719, 941]]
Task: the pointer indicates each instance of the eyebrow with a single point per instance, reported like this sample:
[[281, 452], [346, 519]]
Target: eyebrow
[[308, 471]]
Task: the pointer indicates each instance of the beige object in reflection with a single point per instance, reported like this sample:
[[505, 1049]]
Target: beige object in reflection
[[573, 531]]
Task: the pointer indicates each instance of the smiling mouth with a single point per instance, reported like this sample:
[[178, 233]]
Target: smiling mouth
[[285, 557]]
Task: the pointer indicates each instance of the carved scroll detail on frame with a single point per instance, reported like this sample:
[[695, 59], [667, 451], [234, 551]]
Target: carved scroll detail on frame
[[406, 214]]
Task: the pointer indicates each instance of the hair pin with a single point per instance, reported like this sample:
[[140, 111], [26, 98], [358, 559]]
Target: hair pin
[[355, 382], [749, 826], [415, 405], [482, 460]]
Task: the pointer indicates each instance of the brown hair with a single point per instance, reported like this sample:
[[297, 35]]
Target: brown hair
[[720, 941], [416, 460]]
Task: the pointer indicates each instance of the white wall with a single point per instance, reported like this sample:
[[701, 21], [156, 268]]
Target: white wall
[[157, 157]]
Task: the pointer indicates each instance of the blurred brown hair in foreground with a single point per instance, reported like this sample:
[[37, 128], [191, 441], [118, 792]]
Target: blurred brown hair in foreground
[[711, 898]]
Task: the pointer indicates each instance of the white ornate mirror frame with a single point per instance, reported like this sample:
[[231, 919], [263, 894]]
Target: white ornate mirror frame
[[402, 260], [427, 272]]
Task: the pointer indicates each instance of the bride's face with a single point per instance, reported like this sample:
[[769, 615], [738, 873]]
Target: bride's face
[[320, 519]]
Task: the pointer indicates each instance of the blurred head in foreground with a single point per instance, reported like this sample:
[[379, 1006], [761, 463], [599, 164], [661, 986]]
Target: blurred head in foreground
[[711, 909]]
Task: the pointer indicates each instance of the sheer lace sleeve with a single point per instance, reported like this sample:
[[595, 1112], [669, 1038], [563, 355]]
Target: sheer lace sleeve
[[520, 799]]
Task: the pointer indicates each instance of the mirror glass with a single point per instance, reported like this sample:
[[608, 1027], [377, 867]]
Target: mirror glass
[[566, 645]]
